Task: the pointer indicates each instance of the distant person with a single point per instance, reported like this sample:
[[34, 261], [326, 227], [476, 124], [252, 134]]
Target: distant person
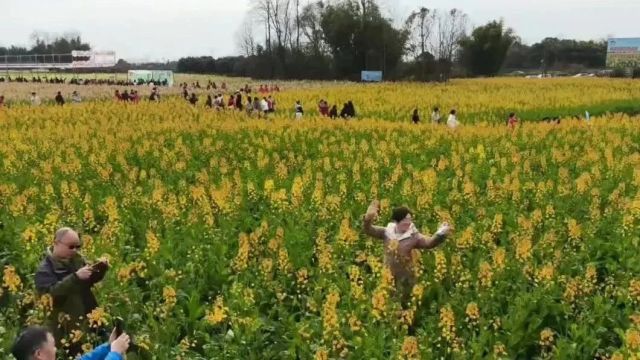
[[272, 104], [351, 109], [231, 104], [415, 117], [257, 107], [323, 108], [512, 121], [59, 99], [209, 103], [75, 98], [270, 108], [238, 102], [154, 95], [1, 101], [264, 106], [193, 100], [344, 113], [333, 113], [117, 95], [452, 121], [435, 116], [219, 102], [298, 110], [125, 96], [249, 105], [35, 99]]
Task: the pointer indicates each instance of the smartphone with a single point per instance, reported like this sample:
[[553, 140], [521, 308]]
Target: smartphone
[[100, 266], [118, 324]]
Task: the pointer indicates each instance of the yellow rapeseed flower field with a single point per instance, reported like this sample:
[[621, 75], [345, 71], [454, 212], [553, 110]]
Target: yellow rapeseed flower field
[[236, 237]]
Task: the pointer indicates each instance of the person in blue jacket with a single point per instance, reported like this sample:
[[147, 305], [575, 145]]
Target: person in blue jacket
[[37, 343]]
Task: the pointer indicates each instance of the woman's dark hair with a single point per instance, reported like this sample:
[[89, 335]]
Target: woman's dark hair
[[453, 112], [400, 213], [512, 114], [28, 342], [436, 109]]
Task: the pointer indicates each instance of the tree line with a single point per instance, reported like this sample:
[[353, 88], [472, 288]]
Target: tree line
[[336, 40], [44, 43]]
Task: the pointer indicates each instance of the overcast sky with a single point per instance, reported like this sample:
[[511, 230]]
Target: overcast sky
[[141, 30]]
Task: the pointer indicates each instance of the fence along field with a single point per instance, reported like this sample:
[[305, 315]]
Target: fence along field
[[232, 237]]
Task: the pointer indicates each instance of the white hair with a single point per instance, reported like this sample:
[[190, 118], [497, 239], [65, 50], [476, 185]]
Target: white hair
[[60, 233]]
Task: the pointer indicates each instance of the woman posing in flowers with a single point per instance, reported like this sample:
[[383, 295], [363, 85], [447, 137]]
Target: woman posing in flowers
[[400, 237]]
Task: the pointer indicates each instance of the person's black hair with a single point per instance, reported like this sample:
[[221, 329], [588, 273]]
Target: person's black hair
[[28, 342], [436, 109], [453, 112], [400, 213], [512, 114]]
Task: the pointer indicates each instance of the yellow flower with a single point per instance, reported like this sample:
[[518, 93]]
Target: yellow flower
[[499, 350], [330, 321], [410, 348], [546, 337], [354, 323], [322, 354], [634, 290], [170, 299], [76, 336], [302, 276], [97, 318], [11, 280], [447, 323], [87, 348], [523, 249], [499, 258], [545, 274], [153, 244], [473, 313], [219, 312], [441, 266], [632, 339], [575, 231], [379, 303]]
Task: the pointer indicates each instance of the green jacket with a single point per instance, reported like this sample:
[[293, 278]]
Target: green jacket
[[71, 296]]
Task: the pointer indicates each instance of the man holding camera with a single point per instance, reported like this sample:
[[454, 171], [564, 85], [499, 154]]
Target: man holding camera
[[66, 277]]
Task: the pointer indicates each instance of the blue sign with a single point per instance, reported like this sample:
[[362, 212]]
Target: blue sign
[[623, 52], [371, 76]]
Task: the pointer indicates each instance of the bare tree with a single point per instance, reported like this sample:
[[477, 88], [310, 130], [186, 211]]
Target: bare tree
[[310, 25], [246, 37], [298, 24], [450, 28], [264, 13], [420, 25]]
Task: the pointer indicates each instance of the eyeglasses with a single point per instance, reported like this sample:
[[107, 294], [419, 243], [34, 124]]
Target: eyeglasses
[[73, 246]]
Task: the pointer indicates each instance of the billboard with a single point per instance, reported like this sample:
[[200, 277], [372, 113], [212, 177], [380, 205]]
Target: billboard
[[623, 52], [157, 76], [93, 59], [373, 76]]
